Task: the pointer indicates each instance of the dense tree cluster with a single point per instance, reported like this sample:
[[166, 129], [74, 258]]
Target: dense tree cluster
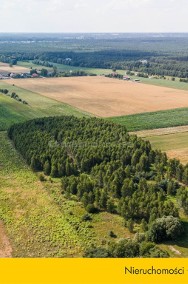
[[165, 228], [127, 249], [10, 59], [104, 167]]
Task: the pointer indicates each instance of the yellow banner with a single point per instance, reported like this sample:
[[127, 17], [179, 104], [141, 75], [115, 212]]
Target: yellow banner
[[93, 271]]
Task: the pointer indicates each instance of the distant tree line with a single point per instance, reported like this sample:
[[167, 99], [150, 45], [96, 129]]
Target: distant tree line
[[132, 60], [43, 63]]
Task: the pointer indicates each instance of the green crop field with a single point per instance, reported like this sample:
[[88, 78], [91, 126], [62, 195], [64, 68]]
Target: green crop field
[[12, 111], [153, 120]]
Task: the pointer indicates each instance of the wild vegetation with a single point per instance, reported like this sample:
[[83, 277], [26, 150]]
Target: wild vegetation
[[95, 191], [106, 170]]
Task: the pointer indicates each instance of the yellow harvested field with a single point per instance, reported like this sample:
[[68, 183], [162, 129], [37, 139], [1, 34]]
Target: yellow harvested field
[[161, 131], [4, 67], [106, 97]]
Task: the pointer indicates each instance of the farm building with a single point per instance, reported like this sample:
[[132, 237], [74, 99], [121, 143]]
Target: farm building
[[126, 78], [34, 75]]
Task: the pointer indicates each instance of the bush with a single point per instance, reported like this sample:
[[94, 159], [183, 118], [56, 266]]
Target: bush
[[148, 249], [86, 217], [112, 235], [42, 177], [97, 253], [90, 208], [145, 248], [165, 228], [125, 249]]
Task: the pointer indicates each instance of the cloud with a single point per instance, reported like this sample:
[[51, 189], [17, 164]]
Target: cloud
[[93, 15]]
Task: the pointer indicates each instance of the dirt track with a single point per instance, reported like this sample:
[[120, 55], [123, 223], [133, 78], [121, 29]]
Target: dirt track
[[5, 247], [106, 97]]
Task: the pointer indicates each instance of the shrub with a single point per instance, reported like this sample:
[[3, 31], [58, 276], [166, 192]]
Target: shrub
[[97, 253], [165, 228], [42, 177], [112, 235], [86, 217], [90, 208]]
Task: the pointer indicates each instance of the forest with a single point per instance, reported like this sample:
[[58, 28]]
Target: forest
[[106, 169], [152, 54]]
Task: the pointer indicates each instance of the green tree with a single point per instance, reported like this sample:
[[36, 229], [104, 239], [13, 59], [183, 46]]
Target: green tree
[[47, 168], [44, 72]]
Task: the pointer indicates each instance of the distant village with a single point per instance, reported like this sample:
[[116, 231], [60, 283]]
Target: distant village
[[25, 75]]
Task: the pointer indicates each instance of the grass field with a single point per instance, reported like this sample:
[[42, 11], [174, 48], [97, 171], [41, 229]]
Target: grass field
[[175, 145], [12, 111], [173, 141], [39, 221], [67, 68], [29, 65], [164, 83], [106, 97], [4, 67], [153, 120]]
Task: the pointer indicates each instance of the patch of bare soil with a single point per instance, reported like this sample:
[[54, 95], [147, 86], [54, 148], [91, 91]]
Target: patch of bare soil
[[5, 246]]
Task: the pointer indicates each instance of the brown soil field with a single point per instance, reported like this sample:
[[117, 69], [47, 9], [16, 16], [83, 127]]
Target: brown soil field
[[106, 97], [4, 67]]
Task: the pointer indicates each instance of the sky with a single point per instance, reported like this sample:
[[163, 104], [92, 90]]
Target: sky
[[114, 16]]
